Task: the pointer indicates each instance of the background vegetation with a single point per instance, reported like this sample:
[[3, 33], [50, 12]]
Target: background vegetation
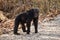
[[13, 7]]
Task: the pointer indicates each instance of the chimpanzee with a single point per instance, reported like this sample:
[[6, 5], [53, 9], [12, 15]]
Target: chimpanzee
[[26, 18]]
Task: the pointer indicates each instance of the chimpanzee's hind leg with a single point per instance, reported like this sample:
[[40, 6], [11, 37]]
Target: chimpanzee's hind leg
[[16, 27], [23, 27]]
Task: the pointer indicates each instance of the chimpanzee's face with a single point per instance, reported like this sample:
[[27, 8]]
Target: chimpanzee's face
[[36, 13]]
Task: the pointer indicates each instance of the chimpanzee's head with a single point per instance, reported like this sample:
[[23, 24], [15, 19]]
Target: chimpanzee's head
[[36, 12]]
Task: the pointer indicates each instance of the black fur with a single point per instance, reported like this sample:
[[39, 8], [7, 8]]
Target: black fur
[[27, 17]]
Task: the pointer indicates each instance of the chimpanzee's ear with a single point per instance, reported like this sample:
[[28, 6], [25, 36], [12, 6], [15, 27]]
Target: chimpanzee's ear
[[30, 11]]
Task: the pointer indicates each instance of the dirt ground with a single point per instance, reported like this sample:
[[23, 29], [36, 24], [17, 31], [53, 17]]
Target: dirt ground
[[47, 31]]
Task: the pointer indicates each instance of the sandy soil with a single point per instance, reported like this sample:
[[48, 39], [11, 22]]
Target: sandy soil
[[47, 31]]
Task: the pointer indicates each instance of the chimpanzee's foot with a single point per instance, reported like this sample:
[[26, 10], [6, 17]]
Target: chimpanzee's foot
[[24, 31], [28, 33], [17, 33], [36, 31]]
